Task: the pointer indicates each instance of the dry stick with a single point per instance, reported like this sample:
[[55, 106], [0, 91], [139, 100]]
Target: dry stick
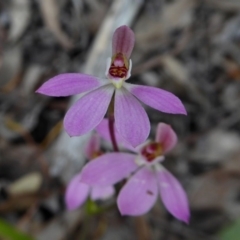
[[51, 12], [68, 150], [25, 220], [143, 231]]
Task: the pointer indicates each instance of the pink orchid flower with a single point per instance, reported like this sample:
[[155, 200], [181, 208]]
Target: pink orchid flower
[[77, 192], [131, 119], [150, 178]]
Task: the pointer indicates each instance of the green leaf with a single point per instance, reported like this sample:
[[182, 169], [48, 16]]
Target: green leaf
[[92, 208], [9, 232], [232, 232]]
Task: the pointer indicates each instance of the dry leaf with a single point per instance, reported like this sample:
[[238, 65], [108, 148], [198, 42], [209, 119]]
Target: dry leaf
[[29, 183]]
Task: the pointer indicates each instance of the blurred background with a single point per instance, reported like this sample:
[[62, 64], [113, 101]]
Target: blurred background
[[188, 47]]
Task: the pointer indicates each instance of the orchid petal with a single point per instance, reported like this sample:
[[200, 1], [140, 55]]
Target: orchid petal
[[92, 146], [139, 194], [69, 84], [103, 130], [123, 41], [108, 169], [88, 111], [102, 193], [173, 195], [166, 136], [76, 193], [131, 120], [157, 98]]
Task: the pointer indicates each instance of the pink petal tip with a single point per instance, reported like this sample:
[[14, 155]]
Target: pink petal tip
[[157, 98], [166, 136], [76, 193], [173, 195], [68, 84]]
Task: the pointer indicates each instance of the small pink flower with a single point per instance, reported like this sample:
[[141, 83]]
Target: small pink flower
[[150, 178], [77, 192], [131, 120]]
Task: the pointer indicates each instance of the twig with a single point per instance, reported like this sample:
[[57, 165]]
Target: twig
[[143, 232]]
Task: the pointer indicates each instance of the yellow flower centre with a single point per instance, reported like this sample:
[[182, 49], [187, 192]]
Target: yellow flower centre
[[151, 151]]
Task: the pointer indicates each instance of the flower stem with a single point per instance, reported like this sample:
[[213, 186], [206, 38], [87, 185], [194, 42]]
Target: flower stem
[[111, 125], [112, 133]]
